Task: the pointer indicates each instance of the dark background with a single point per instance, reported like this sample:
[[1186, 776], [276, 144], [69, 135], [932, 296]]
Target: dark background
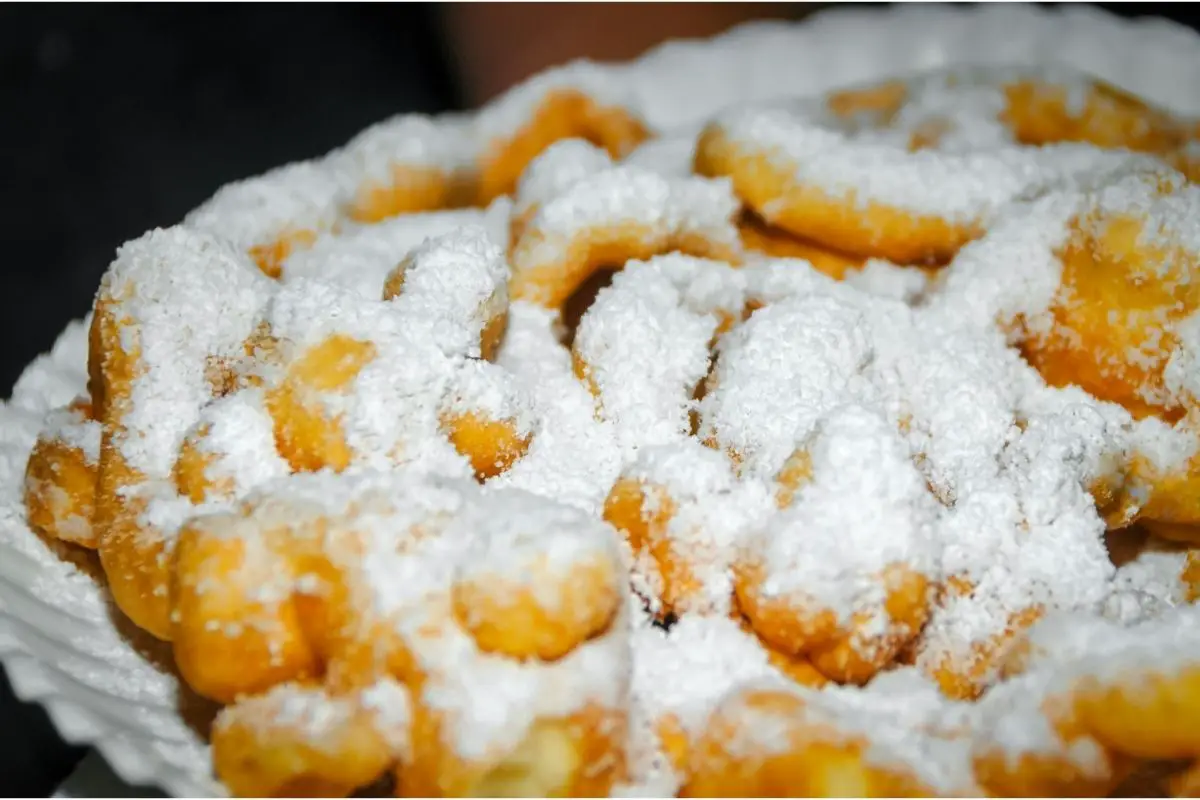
[[116, 119]]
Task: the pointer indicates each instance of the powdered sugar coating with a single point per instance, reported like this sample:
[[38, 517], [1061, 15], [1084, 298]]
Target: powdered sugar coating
[[778, 373], [626, 206], [908, 728], [389, 412], [454, 284], [712, 511], [974, 168], [1165, 201], [670, 154], [680, 81], [604, 84], [239, 439], [770, 280], [679, 677], [1074, 647], [1074, 652], [686, 672], [885, 279], [828, 551], [1148, 585], [491, 391], [258, 212], [556, 169], [573, 456], [486, 701], [1179, 374], [523, 542], [361, 257], [72, 428], [182, 297], [633, 196], [644, 347], [1087, 449], [383, 152], [489, 702]]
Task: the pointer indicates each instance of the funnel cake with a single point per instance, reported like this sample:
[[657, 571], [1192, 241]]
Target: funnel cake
[[319, 579], [412, 163], [1105, 304], [853, 619], [870, 470], [581, 213], [60, 478], [910, 170]]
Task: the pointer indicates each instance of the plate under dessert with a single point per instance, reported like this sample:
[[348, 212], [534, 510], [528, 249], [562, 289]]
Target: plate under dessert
[[62, 643]]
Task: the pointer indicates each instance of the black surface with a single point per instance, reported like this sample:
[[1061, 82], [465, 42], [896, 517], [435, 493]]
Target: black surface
[[115, 119]]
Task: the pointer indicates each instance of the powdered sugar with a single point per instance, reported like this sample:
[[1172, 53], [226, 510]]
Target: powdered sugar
[[1011, 459], [1014, 270], [1179, 374], [1069, 653], [636, 197], [711, 512], [258, 212], [573, 456], [74, 430], [865, 509], [483, 388], [778, 372], [770, 280], [679, 677], [670, 154], [403, 147], [617, 205], [454, 284], [489, 702], [606, 85], [686, 671], [820, 157], [390, 707], [239, 438], [180, 297], [518, 541], [908, 730], [1148, 585], [973, 170], [323, 722], [361, 257], [1078, 646], [885, 279], [557, 169], [1041, 521], [1166, 205], [644, 353]]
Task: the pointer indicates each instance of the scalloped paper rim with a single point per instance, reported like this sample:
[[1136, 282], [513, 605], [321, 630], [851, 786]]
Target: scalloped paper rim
[[58, 643]]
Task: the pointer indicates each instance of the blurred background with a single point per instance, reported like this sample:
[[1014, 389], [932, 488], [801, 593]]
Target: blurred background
[[116, 119]]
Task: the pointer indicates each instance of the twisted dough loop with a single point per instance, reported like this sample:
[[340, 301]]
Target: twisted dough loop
[[601, 216], [60, 477], [793, 757], [906, 126], [554, 604], [263, 748], [1124, 291]]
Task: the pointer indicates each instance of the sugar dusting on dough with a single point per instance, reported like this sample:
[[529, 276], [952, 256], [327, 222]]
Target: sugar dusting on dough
[[902, 390], [830, 550], [188, 297]]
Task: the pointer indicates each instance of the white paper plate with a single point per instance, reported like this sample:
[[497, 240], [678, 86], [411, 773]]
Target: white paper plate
[[58, 640]]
